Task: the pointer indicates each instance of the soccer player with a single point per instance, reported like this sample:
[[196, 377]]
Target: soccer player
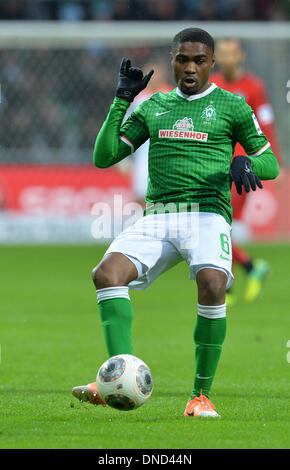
[[232, 76], [192, 131]]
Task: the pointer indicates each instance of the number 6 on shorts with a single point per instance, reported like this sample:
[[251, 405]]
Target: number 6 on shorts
[[225, 243]]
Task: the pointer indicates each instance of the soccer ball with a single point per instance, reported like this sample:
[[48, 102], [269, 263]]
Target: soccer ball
[[124, 382]]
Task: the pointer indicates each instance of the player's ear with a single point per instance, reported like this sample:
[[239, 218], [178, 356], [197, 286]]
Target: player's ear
[[213, 61]]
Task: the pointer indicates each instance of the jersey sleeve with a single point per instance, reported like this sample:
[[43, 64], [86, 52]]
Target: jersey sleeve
[[115, 141], [134, 132], [266, 165], [246, 129]]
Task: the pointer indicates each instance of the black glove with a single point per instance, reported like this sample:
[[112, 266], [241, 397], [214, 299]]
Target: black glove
[[242, 175], [131, 80]]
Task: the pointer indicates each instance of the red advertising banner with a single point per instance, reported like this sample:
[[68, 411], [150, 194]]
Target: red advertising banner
[[69, 192], [267, 212], [65, 190]]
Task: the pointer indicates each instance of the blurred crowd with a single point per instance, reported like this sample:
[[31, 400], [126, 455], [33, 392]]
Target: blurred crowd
[[168, 10], [61, 98]]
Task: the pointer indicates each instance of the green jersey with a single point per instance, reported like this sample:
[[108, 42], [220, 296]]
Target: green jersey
[[192, 139]]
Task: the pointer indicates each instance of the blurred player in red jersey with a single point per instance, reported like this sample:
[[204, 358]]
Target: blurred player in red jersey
[[158, 82], [233, 77]]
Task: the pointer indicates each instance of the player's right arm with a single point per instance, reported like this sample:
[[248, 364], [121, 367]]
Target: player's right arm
[[248, 133], [261, 163], [114, 141]]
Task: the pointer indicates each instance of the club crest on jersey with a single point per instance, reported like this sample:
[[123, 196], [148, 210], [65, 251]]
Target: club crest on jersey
[[183, 129], [209, 113], [184, 124]]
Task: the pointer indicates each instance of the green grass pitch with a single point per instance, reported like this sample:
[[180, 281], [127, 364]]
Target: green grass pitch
[[51, 340]]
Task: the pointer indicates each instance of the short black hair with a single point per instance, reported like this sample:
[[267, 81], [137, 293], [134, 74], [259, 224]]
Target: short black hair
[[193, 35]]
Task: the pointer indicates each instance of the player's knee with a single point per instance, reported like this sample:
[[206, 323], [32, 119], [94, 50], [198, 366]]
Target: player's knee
[[211, 288], [210, 293], [103, 278]]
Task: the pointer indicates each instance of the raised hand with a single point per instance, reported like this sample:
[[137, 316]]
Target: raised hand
[[131, 80]]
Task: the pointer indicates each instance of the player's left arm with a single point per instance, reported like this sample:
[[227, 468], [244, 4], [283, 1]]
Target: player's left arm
[[265, 165], [260, 161]]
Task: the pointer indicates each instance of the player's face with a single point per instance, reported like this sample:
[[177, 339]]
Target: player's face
[[192, 63], [229, 56]]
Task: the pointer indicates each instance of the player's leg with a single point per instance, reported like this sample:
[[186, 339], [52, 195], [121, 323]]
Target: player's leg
[[209, 335], [241, 257], [134, 259], [111, 278], [256, 270], [210, 327], [255, 279], [237, 202], [209, 258]]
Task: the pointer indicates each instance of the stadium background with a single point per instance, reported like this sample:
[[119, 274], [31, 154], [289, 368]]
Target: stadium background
[[59, 64], [60, 61]]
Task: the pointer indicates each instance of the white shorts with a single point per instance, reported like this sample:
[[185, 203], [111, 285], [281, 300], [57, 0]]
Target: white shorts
[[155, 243]]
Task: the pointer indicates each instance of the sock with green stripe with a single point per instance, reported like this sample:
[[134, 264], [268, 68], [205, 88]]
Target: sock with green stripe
[[209, 335], [116, 314]]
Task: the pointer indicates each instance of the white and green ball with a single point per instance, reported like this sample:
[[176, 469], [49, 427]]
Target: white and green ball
[[124, 382]]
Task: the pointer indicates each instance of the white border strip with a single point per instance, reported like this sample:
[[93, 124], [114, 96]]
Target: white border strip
[[108, 293], [127, 141], [262, 150], [197, 96], [211, 311]]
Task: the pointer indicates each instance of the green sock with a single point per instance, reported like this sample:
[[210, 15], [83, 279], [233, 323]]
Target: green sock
[[209, 335], [117, 317]]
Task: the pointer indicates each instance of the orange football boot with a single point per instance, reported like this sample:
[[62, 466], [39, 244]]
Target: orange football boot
[[200, 407], [88, 393]]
